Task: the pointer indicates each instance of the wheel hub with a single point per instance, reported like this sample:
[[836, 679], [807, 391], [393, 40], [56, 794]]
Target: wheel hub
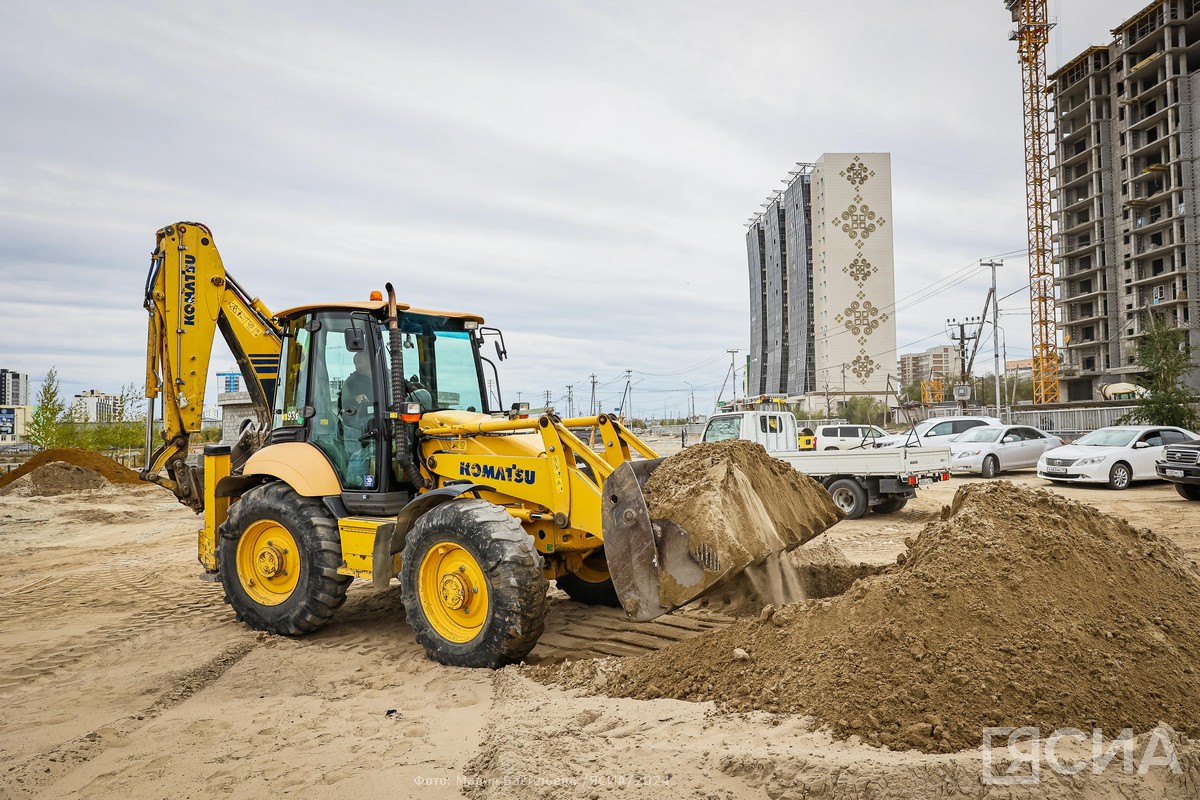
[[454, 590], [270, 561]]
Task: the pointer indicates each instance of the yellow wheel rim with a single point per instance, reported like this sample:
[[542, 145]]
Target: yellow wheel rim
[[593, 570], [268, 562], [453, 592]]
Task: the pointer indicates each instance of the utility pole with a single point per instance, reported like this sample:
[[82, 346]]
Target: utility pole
[[592, 403], [547, 400], [963, 338], [627, 397], [733, 374], [996, 335], [570, 400]]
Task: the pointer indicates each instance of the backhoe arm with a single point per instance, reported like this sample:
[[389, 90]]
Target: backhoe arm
[[189, 297]]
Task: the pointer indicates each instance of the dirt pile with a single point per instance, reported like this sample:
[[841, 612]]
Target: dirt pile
[[108, 469], [57, 477], [1017, 608], [738, 502]]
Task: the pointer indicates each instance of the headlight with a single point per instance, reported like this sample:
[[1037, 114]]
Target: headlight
[[1091, 460], [968, 453]]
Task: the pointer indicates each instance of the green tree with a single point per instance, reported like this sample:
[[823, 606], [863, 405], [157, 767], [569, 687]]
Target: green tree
[[865, 411], [1166, 356], [46, 429]]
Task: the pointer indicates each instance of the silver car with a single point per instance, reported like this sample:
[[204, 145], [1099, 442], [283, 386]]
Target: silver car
[[991, 449]]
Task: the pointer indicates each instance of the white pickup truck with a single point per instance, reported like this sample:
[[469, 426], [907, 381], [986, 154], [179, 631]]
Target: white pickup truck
[[881, 480]]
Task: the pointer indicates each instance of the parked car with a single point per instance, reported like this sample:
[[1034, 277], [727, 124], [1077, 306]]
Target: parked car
[[848, 437], [990, 449], [1117, 455], [936, 432], [1180, 465]]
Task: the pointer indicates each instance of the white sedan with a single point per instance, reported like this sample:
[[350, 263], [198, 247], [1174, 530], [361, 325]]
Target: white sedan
[[1116, 456], [991, 449]]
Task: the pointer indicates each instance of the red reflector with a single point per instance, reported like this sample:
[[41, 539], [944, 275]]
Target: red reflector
[[945, 476], [410, 417], [523, 416], [912, 480]]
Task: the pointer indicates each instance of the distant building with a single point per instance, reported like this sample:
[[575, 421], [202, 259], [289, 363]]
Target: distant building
[[13, 420], [230, 381], [14, 388], [822, 290], [237, 410], [1022, 368], [937, 362], [98, 406]]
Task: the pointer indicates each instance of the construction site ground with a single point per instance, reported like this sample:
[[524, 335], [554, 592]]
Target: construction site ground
[[122, 674]]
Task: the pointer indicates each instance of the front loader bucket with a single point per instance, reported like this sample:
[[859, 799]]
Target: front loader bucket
[[642, 553], [716, 509]]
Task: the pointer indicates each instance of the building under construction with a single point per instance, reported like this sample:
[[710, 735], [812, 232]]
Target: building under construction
[[1128, 138]]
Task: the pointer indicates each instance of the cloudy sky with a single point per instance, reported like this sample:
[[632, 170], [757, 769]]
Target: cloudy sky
[[577, 172]]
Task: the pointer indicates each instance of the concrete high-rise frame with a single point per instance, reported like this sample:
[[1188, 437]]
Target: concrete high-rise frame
[[1127, 119]]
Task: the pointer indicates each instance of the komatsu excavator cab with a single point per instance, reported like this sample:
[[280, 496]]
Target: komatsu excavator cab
[[335, 389]]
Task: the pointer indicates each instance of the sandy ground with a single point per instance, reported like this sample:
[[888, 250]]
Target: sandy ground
[[121, 674]]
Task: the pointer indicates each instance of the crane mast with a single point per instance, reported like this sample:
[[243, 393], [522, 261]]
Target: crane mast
[[1032, 34]]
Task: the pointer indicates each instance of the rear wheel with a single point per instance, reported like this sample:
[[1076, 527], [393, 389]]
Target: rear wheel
[[590, 584], [472, 585], [1188, 491], [278, 555], [1119, 476], [890, 506], [990, 467], [849, 496]]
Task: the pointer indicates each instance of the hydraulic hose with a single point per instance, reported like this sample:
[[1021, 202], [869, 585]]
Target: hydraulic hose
[[403, 455]]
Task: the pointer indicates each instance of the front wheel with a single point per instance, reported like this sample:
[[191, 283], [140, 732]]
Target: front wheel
[[590, 584], [472, 585], [279, 555], [849, 495], [990, 467], [1120, 476], [1188, 491]]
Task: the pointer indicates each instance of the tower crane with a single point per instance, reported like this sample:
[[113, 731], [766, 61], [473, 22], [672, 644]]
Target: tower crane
[[1032, 34]]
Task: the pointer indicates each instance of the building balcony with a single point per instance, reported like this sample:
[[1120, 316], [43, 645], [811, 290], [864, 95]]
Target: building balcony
[[1070, 272], [1091, 294], [1071, 315]]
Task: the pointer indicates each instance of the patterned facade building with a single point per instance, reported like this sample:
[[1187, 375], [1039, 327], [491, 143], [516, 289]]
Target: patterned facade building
[[1127, 124], [853, 273]]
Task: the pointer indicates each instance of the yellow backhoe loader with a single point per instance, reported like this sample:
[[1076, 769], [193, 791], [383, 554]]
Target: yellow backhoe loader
[[376, 454]]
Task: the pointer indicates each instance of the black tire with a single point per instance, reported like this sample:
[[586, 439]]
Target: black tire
[[890, 506], [511, 568], [831, 447], [1120, 476], [589, 592], [849, 496], [319, 591], [991, 465], [1188, 491]]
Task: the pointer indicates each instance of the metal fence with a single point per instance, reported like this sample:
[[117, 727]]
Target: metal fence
[[1069, 422]]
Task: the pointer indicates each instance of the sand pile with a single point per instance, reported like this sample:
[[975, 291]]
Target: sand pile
[[1017, 608], [108, 469], [737, 502]]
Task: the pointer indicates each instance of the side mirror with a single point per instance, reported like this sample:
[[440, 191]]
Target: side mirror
[[1140, 445], [1008, 440], [501, 353], [355, 340]]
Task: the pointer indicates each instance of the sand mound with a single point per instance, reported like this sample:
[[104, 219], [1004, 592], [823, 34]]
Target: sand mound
[[57, 477], [734, 500], [1017, 608], [88, 459]]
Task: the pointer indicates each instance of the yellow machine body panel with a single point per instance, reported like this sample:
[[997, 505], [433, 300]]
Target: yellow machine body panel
[[298, 464], [357, 535]]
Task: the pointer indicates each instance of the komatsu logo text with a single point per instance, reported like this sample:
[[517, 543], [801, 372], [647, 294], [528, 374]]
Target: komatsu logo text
[[497, 473], [189, 290]]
